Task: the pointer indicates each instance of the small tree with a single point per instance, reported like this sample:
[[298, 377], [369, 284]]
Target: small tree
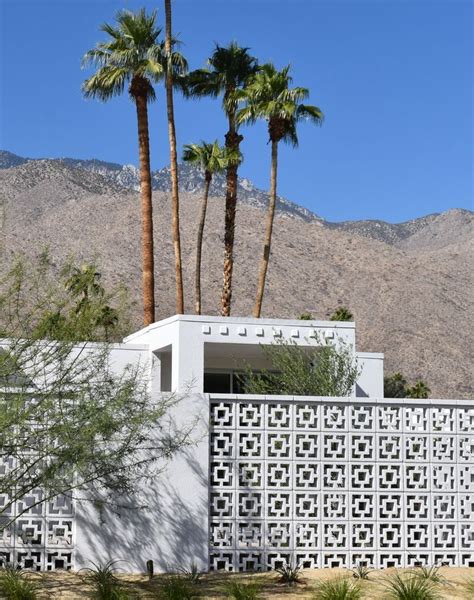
[[69, 424], [305, 371]]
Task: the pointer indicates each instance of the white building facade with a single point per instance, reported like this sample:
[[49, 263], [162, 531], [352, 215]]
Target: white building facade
[[320, 482]]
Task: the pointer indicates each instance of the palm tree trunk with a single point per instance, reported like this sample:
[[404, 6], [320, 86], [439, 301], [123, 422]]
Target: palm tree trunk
[[268, 232], [148, 274], [173, 166], [232, 141], [202, 220]]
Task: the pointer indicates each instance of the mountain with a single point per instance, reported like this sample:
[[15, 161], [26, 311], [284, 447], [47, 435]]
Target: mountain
[[411, 293], [191, 180]]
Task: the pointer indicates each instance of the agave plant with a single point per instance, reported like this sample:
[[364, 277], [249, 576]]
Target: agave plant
[[176, 587], [410, 588], [191, 573], [430, 573], [337, 589], [106, 585], [238, 590], [15, 586], [361, 572], [289, 574]]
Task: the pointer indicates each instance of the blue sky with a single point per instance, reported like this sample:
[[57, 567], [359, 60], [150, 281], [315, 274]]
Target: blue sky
[[394, 79]]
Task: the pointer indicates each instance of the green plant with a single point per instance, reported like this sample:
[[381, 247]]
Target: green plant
[[410, 588], [306, 316], [15, 586], [192, 574], [106, 586], [319, 370], [361, 572], [341, 314], [337, 589], [175, 587], [418, 390], [430, 573], [289, 574], [469, 587], [239, 590]]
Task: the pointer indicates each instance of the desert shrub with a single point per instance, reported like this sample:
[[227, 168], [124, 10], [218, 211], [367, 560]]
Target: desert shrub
[[106, 586], [361, 572], [191, 573], [289, 574], [176, 587], [341, 314], [430, 573], [337, 589], [15, 586], [238, 590], [410, 588], [469, 587]]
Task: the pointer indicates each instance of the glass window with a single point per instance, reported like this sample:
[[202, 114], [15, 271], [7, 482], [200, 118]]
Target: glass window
[[217, 383]]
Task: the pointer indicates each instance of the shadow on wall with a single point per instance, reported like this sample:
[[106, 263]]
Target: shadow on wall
[[172, 527]]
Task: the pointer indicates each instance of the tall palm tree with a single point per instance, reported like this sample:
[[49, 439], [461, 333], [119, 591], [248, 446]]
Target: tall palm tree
[[212, 159], [173, 161], [132, 56], [229, 69], [268, 96]]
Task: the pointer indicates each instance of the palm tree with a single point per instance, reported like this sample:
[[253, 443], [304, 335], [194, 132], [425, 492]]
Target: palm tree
[[84, 283], [229, 70], [268, 96], [173, 161], [211, 158], [133, 56]]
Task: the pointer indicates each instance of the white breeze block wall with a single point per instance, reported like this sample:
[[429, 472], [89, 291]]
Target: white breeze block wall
[[335, 482]]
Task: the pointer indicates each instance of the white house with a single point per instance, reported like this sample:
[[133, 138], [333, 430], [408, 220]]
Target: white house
[[203, 353], [320, 482]]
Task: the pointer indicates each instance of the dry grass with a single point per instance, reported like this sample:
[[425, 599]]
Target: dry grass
[[69, 586]]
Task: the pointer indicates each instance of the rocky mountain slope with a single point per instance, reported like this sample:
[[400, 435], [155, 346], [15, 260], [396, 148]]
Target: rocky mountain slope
[[411, 294]]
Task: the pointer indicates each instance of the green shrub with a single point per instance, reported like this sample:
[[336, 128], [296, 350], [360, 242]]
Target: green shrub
[[361, 572], [430, 573], [238, 590], [105, 583], [410, 588], [337, 589], [175, 587], [469, 587], [191, 574], [15, 586], [290, 575]]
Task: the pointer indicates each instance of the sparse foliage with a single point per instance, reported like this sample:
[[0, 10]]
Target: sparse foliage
[[337, 589], [175, 587], [70, 424], [395, 386], [361, 572], [432, 573], [342, 314], [192, 573], [289, 574], [239, 590], [409, 587], [306, 316], [105, 583], [15, 585], [304, 371]]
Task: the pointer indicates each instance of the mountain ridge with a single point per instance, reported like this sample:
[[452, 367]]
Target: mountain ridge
[[411, 298]]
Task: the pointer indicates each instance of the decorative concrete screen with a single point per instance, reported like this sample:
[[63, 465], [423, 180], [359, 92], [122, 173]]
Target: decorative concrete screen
[[41, 538], [340, 482]]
